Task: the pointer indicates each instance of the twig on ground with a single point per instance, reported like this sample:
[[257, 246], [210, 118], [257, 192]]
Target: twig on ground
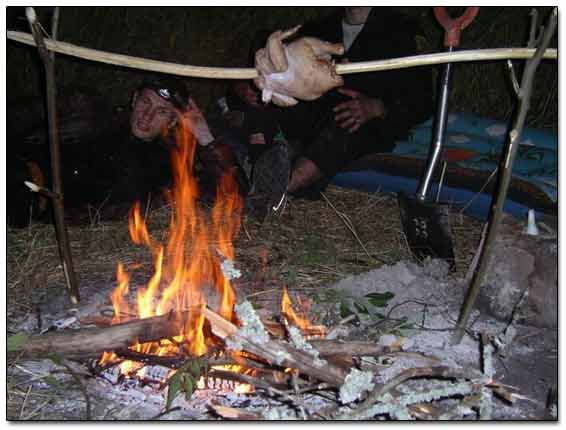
[[82, 387], [348, 224], [261, 384], [365, 411], [25, 401], [233, 413], [165, 412], [276, 352]]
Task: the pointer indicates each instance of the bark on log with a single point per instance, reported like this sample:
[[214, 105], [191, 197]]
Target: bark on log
[[278, 352], [91, 342]]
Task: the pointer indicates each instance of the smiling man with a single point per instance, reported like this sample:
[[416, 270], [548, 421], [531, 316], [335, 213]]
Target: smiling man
[[152, 115], [139, 163], [157, 107]]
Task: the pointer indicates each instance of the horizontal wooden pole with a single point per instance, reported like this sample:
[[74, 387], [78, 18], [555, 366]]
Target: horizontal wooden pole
[[249, 73], [444, 57], [136, 62]]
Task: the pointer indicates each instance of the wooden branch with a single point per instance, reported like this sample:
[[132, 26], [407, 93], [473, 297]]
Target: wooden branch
[[249, 73], [328, 348], [92, 342], [277, 352], [441, 372], [258, 383], [229, 413], [54, 28], [136, 62], [42, 190], [441, 58], [505, 169], [58, 208], [278, 330], [262, 380]]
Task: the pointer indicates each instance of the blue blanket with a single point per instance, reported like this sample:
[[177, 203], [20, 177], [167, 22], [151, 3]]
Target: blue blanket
[[477, 143], [473, 148]]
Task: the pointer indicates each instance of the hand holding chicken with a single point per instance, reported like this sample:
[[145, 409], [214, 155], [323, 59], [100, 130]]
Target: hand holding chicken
[[300, 70]]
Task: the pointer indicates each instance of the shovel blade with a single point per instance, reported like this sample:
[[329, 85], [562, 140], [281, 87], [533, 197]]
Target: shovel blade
[[427, 228]]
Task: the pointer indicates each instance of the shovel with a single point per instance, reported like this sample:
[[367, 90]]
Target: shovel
[[427, 225]]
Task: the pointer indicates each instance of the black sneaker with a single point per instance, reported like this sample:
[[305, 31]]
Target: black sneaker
[[270, 178]]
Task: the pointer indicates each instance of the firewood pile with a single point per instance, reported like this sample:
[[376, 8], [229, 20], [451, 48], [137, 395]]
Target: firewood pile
[[303, 373]]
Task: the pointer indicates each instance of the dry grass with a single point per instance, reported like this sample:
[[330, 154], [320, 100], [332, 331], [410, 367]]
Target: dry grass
[[309, 246]]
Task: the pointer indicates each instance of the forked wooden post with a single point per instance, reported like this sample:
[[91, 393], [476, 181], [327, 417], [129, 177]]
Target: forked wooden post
[[58, 208], [505, 167]]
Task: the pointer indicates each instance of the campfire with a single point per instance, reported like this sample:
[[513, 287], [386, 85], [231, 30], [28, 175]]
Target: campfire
[[192, 276], [188, 330]]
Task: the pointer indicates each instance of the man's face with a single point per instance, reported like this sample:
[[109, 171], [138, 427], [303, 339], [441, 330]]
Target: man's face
[[151, 115]]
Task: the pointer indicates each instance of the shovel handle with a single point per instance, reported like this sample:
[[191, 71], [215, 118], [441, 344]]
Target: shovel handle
[[454, 26]]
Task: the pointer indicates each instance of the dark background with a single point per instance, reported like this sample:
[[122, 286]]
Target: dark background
[[220, 35]]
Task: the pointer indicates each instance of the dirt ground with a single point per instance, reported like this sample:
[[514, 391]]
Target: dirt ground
[[333, 251]]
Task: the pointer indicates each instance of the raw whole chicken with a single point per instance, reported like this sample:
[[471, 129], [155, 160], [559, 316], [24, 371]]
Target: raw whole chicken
[[300, 70]]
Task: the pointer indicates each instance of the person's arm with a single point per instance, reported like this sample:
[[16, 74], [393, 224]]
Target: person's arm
[[198, 124]]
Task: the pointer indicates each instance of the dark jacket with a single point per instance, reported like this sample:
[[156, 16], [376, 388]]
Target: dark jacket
[[136, 168], [406, 93]]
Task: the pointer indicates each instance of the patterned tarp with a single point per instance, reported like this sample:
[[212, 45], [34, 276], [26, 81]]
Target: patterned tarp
[[477, 143]]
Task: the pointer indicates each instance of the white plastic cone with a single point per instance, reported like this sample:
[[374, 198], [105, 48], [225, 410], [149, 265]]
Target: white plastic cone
[[532, 228]]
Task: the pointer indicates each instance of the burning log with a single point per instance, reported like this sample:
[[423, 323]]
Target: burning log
[[92, 342], [277, 352], [278, 330]]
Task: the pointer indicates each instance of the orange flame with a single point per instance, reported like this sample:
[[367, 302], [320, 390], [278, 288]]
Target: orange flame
[[189, 264], [301, 320], [136, 226]]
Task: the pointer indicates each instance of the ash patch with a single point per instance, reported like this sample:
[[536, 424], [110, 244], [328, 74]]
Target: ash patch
[[431, 303]]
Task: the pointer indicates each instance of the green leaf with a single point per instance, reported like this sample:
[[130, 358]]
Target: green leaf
[[173, 390], [345, 310], [379, 300], [361, 308], [189, 386], [15, 343], [56, 358], [51, 380], [194, 368]]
